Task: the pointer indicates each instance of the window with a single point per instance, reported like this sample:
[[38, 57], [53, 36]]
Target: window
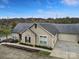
[[44, 36], [35, 25], [25, 39], [40, 41], [43, 40], [20, 36], [28, 39]]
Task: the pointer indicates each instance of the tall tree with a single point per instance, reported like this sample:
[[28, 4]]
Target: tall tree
[[6, 32]]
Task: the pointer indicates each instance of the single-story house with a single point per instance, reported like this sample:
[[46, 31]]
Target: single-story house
[[56, 36], [36, 34], [46, 34]]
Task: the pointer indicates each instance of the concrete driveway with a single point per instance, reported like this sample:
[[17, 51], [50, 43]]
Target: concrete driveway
[[66, 49], [13, 53]]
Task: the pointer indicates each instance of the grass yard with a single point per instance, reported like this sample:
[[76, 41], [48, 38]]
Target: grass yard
[[43, 53], [13, 53]]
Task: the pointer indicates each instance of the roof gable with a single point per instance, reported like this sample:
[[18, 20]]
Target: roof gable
[[21, 27]]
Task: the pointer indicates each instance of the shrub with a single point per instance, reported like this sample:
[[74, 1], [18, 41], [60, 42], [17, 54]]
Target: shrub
[[44, 47], [26, 44]]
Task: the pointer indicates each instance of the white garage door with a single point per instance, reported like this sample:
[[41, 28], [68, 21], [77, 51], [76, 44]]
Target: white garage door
[[68, 37]]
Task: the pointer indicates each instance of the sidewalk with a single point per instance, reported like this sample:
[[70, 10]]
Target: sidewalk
[[23, 46]]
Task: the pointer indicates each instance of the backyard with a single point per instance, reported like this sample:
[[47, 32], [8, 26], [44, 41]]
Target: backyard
[[13, 53]]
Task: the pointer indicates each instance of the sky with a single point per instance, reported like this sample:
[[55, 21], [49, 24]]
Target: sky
[[39, 8]]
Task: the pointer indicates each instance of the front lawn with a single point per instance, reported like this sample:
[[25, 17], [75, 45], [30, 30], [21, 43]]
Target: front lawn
[[13, 53], [43, 53]]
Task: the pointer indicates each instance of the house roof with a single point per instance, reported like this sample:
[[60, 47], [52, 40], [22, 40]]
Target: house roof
[[52, 28], [49, 27], [67, 28], [21, 27]]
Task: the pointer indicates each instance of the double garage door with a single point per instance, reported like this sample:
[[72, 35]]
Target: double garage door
[[68, 37]]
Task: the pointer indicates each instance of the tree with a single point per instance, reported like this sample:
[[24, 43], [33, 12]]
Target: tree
[[6, 32], [13, 24]]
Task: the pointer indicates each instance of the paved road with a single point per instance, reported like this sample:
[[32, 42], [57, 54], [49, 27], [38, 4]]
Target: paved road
[[13, 53]]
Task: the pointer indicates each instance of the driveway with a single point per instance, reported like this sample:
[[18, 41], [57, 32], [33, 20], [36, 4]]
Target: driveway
[[13, 53], [66, 49]]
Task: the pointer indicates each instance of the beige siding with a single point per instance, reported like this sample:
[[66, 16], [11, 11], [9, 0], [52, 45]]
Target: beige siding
[[68, 37], [41, 32], [28, 33]]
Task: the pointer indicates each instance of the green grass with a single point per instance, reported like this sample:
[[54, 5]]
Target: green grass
[[43, 53], [49, 48]]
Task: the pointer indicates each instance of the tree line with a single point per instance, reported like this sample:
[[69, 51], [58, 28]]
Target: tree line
[[14, 21]]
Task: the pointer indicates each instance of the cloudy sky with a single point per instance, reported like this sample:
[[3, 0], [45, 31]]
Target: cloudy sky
[[39, 8]]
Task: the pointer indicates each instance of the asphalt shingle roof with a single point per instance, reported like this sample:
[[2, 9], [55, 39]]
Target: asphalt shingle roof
[[49, 27], [67, 28], [21, 27], [52, 28]]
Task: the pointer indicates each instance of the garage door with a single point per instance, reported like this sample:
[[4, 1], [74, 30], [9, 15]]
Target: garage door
[[68, 37]]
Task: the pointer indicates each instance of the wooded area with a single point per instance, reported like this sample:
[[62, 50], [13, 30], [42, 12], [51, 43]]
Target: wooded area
[[13, 21]]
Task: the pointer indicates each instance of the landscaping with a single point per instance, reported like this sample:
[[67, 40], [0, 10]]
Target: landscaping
[[49, 48], [13, 53], [26, 44], [43, 53], [44, 47]]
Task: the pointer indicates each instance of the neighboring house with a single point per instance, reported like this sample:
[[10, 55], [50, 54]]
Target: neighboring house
[[48, 35]]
